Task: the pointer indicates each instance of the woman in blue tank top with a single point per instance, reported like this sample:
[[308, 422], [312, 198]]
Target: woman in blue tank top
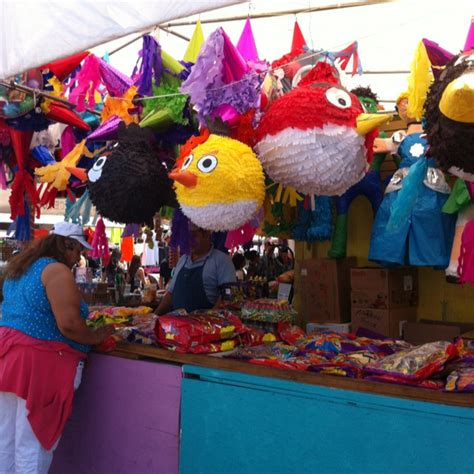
[[43, 323]]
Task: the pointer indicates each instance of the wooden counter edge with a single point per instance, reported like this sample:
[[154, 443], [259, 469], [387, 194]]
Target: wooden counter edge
[[135, 351]]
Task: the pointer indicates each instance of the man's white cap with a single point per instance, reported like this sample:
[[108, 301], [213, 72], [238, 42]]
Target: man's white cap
[[73, 231]]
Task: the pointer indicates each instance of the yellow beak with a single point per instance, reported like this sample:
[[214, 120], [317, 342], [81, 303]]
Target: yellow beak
[[367, 122], [457, 101]]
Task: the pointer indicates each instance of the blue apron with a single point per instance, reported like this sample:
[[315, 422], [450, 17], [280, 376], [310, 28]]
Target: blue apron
[[188, 292]]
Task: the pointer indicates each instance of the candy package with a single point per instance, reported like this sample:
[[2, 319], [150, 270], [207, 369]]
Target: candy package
[[268, 310], [346, 365], [461, 380], [325, 342], [295, 363], [256, 336], [379, 346], [291, 333], [277, 350], [418, 363], [197, 328], [238, 292], [466, 351], [144, 324], [207, 348], [117, 315]]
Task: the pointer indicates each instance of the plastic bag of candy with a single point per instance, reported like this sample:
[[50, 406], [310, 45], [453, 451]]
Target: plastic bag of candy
[[277, 350], [461, 380], [214, 347], [144, 324], [233, 296], [466, 351], [197, 328], [256, 336], [292, 363], [379, 346], [325, 342], [109, 343], [291, 333], [268, 310], [418, 363], [117, 315], [346, 365]]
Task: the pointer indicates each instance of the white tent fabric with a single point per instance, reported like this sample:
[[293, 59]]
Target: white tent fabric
[[36, 32]]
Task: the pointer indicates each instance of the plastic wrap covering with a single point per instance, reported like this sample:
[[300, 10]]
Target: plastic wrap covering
[[191, 332], [77, 26]]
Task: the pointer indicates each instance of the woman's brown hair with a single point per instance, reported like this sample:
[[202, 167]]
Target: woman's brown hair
[[53, 246], [135, 264]]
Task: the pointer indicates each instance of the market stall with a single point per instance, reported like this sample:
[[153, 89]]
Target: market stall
[[238, 417], [305, 363]]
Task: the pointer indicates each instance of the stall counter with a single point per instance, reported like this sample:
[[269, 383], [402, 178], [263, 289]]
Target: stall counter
[[241, 418], [125, 419]]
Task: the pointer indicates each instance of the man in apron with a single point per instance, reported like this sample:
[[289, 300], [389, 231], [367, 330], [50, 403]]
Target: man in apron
[[198, 276]]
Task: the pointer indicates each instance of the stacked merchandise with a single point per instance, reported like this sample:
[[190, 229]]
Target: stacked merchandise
[[234, 295], [134, 325], [269, 311], [117, 315], [263, 315], [199, 332], [383, 299], [439, 365]]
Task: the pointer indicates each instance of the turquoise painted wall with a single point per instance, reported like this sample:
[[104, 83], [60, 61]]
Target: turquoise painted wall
[[241, 424]]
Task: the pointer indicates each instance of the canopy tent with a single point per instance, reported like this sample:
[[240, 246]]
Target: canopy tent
[[387, 33], [37, 32]]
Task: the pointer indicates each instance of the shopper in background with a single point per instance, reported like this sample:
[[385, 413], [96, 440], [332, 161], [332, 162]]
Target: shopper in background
[[165, 273], [43, 343], [82, 263], [198, 277], [269, 262], [284, 260], [113, 268], [136, 274], [239, 263], [254, 267]]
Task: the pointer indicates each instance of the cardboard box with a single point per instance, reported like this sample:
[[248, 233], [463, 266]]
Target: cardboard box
[[325, 289], [384, 288], [468, 335], [420, 333], [387, 322]]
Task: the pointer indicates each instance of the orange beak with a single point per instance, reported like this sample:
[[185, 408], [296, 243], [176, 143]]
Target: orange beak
[[79, 173], [185, 178]]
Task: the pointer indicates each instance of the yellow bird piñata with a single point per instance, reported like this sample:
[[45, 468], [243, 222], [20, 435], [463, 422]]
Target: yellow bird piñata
[[220, 184]]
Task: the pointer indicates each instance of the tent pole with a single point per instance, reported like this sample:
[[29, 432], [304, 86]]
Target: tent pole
[[30, 90], [116, 50], [334, 6], [167, 30], [179, 35], [40, 93]]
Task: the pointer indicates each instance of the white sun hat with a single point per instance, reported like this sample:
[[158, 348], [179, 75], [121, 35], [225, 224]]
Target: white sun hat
[[73, 231]]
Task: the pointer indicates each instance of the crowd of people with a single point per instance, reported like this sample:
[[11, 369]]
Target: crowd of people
[[276, 260]]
